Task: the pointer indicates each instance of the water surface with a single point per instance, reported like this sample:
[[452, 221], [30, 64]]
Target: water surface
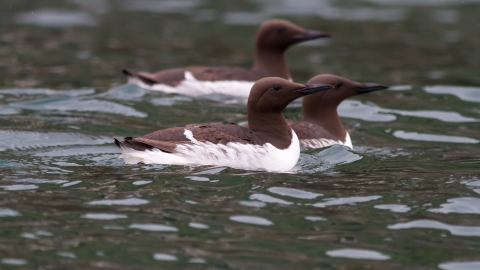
[[406, 197]]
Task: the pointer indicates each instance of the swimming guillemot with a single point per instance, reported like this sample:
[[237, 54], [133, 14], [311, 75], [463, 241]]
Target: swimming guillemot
[[321, 125], [273, 38], [269, 144]]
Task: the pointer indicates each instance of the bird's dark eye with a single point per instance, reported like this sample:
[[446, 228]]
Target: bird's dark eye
[[276, 87], [338, 85], [281, 29]]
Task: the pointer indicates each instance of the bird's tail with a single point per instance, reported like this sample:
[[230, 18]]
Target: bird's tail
[[137, 75]]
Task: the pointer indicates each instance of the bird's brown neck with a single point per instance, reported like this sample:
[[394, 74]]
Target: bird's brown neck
[[325, 115], [271, 63], [273, 127]]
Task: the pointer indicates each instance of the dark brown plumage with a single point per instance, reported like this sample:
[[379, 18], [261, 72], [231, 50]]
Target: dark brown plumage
[[268, 98], [320, 116], [273, 38]]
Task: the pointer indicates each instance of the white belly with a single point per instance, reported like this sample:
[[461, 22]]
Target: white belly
[[236, 155], [321, 143], [193, 87]]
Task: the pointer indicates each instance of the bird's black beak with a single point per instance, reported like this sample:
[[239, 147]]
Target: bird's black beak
[[370, 87], [311, 34], [313, 88]]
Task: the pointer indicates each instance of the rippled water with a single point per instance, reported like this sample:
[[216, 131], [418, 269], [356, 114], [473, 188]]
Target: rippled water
[[406, 197]]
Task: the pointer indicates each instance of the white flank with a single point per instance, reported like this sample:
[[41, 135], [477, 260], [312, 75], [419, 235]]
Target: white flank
[[193, 87], [348, 141], [236, 155], [321, 143], [189, 136]]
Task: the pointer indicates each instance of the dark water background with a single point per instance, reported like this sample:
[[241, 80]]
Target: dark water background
[[406, 197]]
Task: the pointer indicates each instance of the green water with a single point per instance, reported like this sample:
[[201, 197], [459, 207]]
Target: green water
[[406, 197]]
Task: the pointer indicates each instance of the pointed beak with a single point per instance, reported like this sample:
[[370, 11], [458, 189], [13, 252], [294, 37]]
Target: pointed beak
[[313, 88], [370, 87], [311, 34]]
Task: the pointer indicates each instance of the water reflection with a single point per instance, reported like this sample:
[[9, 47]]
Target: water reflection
[[128, 92], [471, 94], [446, 16], [197, 260], [47, 92], [141, 183], [433, 137], [197, 225], [324, 9], [95, 6], [127, 201], [164, 257], [293, 192], [176, 6], [464, 205], [57, 18], [397, 208], [373, 113], [65, 104], [198, 178], [8, 212], [319, 160], [81, 151], [72, 183], [268, 199], [251, 220], [86, 203], [367, 112], [35, 235], [252, 204], [421, 2], [153, 227], [23, 140], [475, 265], [66, 254], [400, 88], [349, 200], [315, 218], [18, 187], [103, 216], [433, 224], [13, 261], [354, 253]]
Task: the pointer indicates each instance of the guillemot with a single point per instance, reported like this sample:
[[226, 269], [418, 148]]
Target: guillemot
[[268, 144], [321, 125], [273, 38]]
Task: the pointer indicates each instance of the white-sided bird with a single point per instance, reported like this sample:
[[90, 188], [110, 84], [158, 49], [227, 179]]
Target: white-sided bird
[[268, 144], [321, 126], [273, 38]]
